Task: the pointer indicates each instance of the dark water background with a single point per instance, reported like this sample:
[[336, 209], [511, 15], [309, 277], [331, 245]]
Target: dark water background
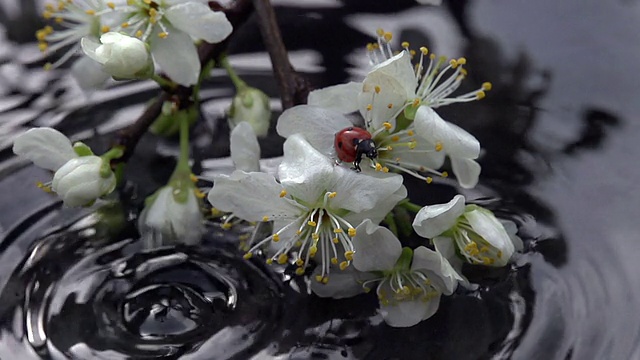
[[560, 132]]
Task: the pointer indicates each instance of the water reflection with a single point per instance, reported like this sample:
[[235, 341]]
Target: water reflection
[[66, 294]]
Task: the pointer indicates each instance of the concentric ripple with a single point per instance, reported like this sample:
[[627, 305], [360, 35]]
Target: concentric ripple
[[85, 298]]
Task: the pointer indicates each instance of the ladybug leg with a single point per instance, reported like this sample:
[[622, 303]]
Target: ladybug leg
[[356, 162]]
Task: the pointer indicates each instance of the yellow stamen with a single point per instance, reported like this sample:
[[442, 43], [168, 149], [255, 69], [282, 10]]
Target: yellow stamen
[[265, 218], [344, 265], [438, 146], [380, 31], [486, 86], [349, 255], [282, 259], [300, 271], [90, 12], [481, 94], [377, 89], [199, 194], [351, 232], [332, 195], [311, 223], [429, 180], [387, 125], [283, 193], [445, 174], [163, 35], [405, 44], [105, 28], [388, 36], [247, 256], [276, 237], [334, 260], [111, 5], [424, 50]]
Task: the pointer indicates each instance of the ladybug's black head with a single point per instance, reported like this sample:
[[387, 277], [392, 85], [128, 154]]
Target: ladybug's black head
[[367, 148]]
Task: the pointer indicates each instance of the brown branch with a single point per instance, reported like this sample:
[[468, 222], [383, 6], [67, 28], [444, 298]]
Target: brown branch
[[131, 135], [293, 87]]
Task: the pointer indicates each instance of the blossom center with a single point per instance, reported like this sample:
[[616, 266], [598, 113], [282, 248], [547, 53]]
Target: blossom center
[[321, 234]]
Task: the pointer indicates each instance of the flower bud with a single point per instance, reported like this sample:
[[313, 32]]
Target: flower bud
[[82, 180], [251, 105], [171, 215], [120, 55]]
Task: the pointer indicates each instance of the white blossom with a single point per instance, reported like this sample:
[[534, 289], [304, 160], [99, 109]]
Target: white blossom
[[478, 236], [313, 205], [169, 27], [122, 56], [172, 215], [409, 282], [78, 180], [397, 99]]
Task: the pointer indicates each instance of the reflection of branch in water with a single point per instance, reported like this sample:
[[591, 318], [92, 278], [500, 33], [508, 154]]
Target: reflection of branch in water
[[593, 132]]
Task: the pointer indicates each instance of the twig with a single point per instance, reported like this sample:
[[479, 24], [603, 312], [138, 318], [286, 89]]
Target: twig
[[293, 87]]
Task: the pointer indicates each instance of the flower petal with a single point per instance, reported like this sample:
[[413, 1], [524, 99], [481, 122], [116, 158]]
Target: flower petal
[[89, 47], [445, 246], [88, 73], [342, 98], [376, 248], [45, 147], [440, 272], [511, 229], [342, 284], [385, 96], [359, 192], [251, 196], [199, 21], [245, 150], [455, 141], [378, 212], [304, 172], [407, 313], [177, 56], [467, 172], [489, 228], [399, 67], [318, 125], [433, 220], [423, 155]]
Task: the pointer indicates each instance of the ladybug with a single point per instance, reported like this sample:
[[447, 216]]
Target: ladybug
[[353, 142]]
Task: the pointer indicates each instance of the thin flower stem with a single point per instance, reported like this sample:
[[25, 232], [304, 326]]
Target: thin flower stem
[[237, 81], [410, 206], [183, 160], [391, 222], [163, 82]]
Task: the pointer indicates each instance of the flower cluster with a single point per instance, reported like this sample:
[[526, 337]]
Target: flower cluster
[[123, 36], [341, 175], [326, 209]]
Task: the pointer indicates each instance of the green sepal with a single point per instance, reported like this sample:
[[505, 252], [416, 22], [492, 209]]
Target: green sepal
[[82, 149]]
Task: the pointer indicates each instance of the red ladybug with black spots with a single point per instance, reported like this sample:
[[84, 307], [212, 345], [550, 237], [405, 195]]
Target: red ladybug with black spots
[[352, 143]]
